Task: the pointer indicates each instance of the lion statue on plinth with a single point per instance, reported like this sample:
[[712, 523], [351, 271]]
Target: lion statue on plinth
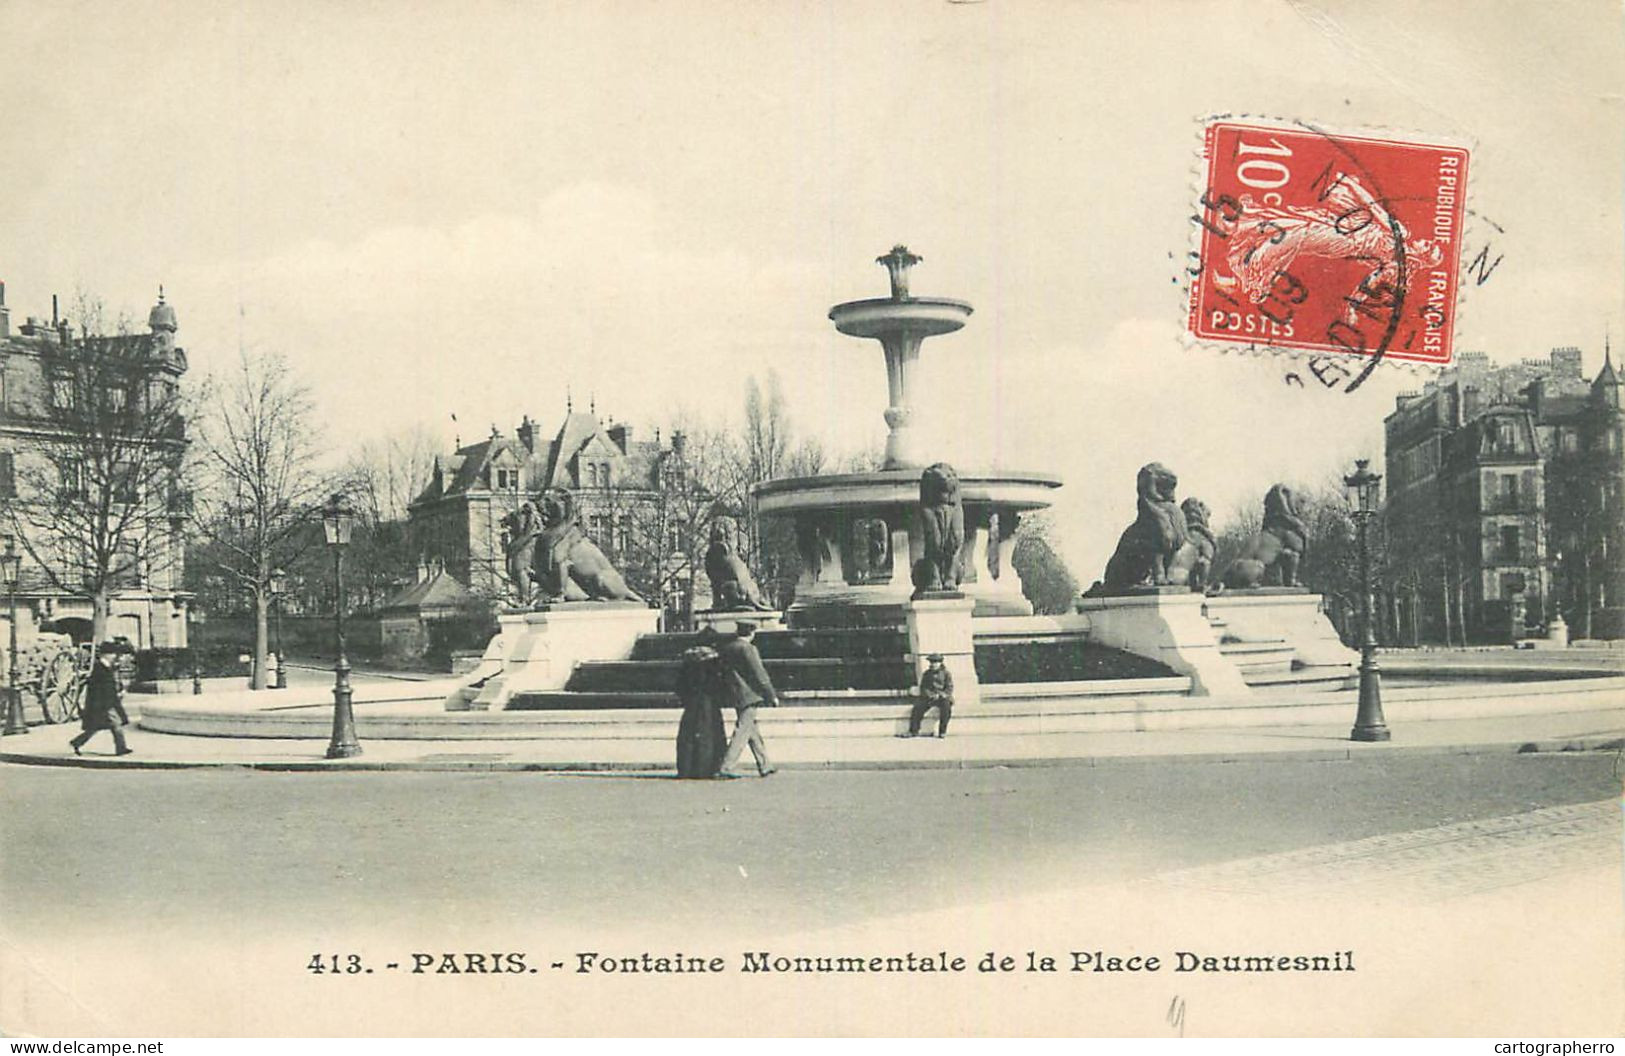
[[519, 532], [942, 528], [733, 588], [568, 565], [1147, 547], [1271, 557], [1193, 563]]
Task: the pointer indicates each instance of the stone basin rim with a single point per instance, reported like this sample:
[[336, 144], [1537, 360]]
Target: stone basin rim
[[909, 475], [846, 307]]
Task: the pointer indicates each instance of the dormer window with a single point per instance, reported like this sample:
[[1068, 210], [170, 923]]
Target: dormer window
[[507, 480]]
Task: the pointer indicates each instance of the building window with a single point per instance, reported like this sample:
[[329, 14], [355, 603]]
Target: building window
[[73, 479], [8, 475], [507, 480], [118, 399], [1571, 441], [1509, 542], [62, 392]]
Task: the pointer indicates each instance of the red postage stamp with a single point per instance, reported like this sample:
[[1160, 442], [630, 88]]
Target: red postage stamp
[[1327, 242]]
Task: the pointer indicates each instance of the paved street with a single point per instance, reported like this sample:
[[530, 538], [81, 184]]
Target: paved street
[[810, 849]]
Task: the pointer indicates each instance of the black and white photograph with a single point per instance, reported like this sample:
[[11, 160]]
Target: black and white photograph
[[950, 518]]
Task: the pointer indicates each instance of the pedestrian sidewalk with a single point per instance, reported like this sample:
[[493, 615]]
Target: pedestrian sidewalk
[[1557, 732]]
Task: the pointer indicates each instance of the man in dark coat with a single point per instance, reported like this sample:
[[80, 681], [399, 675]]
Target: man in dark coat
[[936, 691], [104, 706], [748, 687]]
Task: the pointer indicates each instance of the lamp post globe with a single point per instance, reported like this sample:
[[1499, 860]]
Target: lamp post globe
[[338, 520], [1369, 724], [11, 563]]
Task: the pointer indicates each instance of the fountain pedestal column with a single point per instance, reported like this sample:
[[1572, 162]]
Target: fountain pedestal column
[[942, 624]]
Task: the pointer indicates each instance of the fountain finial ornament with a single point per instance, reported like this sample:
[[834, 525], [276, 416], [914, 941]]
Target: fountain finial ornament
[[897, 263]]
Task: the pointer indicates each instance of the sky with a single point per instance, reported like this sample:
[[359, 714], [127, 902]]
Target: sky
[[474, 208]]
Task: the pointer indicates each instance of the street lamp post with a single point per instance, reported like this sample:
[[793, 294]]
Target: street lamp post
[[279, 587], [199, 618], [337, 521], [1369, 724], [11, 563]]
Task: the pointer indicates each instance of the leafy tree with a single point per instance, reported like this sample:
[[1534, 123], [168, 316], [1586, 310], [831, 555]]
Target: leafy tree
[[1045, 579]]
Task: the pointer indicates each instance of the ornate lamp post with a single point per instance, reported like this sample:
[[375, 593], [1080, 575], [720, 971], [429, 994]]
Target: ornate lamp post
[[199, 618], [279, 587], [1369, 724], [11, 563], [337, 521]]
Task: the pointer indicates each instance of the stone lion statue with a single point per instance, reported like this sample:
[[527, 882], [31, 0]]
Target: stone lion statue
[[1147, 547], [733, 588], [1193, 563], [942, 525], [1271, 557], [519, 531], [568, 565]]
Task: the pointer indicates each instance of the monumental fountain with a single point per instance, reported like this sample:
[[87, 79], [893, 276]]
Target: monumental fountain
[[911, 559], [861, 535]]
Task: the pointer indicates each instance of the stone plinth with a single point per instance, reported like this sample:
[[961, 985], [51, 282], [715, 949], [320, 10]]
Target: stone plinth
[[1165, 624], [940, 622], [537, 651], [725, 622], [1290, 614]]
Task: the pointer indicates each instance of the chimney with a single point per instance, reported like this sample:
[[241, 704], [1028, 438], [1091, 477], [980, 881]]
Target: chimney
[[5, 314], [1566, 362], [678, 442], [621, 434], [527, 434]]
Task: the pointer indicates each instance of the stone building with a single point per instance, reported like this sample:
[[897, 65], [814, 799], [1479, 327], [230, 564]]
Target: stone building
[[1495, 476], [622, 486], [43, 368], [1584, 451]]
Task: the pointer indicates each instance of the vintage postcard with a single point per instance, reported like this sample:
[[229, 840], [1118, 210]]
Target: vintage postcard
[[945, 518]]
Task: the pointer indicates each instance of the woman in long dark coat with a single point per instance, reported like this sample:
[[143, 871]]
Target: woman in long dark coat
[[104, 708], [701, 740]]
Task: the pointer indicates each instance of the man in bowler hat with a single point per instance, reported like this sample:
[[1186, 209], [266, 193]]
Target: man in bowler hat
[[748, 687], [104, 706], [936, 691]]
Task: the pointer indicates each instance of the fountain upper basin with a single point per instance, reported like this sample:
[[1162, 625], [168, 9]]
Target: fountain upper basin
[[900, 487], [882, 316]]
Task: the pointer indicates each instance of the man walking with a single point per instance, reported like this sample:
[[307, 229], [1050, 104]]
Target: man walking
[[103, 708], [748, 687], [936, 691]]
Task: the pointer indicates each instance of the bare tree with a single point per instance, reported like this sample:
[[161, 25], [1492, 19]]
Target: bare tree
[[384, 475], [97, 480], [260, 485]]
